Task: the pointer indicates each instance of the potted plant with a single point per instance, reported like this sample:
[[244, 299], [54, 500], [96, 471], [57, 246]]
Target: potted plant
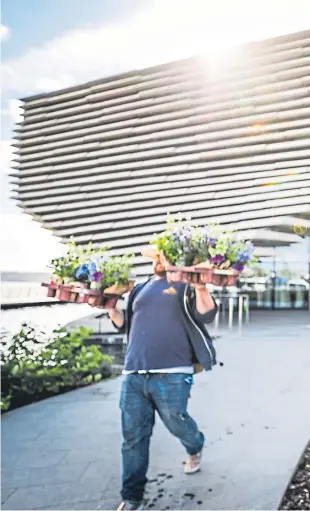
[[68, 271], [184, 251], [230, 255], [110, 278], [89, 275], [201, 254]]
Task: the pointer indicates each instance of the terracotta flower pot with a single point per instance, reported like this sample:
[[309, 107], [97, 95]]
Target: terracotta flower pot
[[51, 288], [63, 293], [73, 297], [51, 292], [83, 294], [174, 276], [195, 274], [77, 287], [82, 298], [225, 278], [205, 272]]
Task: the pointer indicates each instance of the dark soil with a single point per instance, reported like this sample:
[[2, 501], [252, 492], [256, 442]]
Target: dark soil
[[297, 494]]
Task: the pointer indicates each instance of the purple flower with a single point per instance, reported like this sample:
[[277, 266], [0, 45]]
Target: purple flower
[[218, 259], [238, 266], [97, 276]]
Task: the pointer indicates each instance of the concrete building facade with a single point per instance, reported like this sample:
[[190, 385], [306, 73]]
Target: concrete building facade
[[225, 140]]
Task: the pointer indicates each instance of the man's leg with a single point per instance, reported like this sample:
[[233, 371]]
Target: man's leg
[[170, 393], [138, 417]]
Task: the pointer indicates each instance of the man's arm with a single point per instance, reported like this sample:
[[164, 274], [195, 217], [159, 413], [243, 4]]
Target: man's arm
[[117, 317], [206, 308]]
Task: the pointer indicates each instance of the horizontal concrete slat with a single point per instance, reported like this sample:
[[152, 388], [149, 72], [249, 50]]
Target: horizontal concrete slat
[[175, 204], [177, 173], [183, 145], [119, 133], [123, 228], [215, 112], [143, 236], [197, 94], [164, 197]]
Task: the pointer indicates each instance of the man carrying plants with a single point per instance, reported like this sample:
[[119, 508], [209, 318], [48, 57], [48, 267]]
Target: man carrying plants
[[166, 338], [167, 341]]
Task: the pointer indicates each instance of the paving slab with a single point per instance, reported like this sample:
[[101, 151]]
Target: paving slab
[[64, 452]]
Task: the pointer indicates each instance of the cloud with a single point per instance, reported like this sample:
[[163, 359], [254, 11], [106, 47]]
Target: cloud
[[50, 84], [25, 246], [6, 152], [12, 111], [159, 32], [4, 32]]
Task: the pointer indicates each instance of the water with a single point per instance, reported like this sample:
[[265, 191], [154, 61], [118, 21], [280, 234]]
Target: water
[[46, 318]]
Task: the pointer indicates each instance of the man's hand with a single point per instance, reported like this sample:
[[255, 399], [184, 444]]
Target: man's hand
[[117, 316], [204, 301], [199, 287]]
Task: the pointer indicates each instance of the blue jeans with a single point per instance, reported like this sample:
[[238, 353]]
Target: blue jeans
[[141, 395]]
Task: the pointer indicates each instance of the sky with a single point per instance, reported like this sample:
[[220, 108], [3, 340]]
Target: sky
[[51, 44]]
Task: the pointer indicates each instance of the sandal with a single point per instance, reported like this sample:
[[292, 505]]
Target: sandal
[[192, 464], [130, 505]]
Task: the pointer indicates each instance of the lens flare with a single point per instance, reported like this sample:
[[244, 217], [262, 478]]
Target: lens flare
[[300, 229], [281, 180]]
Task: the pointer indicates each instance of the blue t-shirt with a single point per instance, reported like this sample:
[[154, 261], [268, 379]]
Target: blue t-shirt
[[158, 338]]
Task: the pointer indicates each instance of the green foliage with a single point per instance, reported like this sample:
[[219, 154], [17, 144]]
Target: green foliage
[[165, 244], [181, 242], [34, 366], [115, 270], [5, 402]]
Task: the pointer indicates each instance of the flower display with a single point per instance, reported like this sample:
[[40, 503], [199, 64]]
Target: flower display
[[88, 268], [228, 250], [186, 248], [182, 243]]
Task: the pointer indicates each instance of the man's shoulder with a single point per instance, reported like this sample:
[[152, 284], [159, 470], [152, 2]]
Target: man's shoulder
[[138, 286], [140, 283]]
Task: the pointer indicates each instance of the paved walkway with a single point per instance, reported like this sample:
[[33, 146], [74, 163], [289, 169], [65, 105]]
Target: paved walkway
[[63, 453]]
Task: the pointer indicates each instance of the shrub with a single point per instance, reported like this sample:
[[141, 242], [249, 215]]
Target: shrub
[[34, 366]]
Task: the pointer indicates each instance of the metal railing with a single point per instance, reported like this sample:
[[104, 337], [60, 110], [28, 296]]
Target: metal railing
[[243, 306]]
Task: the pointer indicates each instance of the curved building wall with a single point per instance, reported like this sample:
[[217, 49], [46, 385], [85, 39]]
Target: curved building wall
[[222, 141]]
